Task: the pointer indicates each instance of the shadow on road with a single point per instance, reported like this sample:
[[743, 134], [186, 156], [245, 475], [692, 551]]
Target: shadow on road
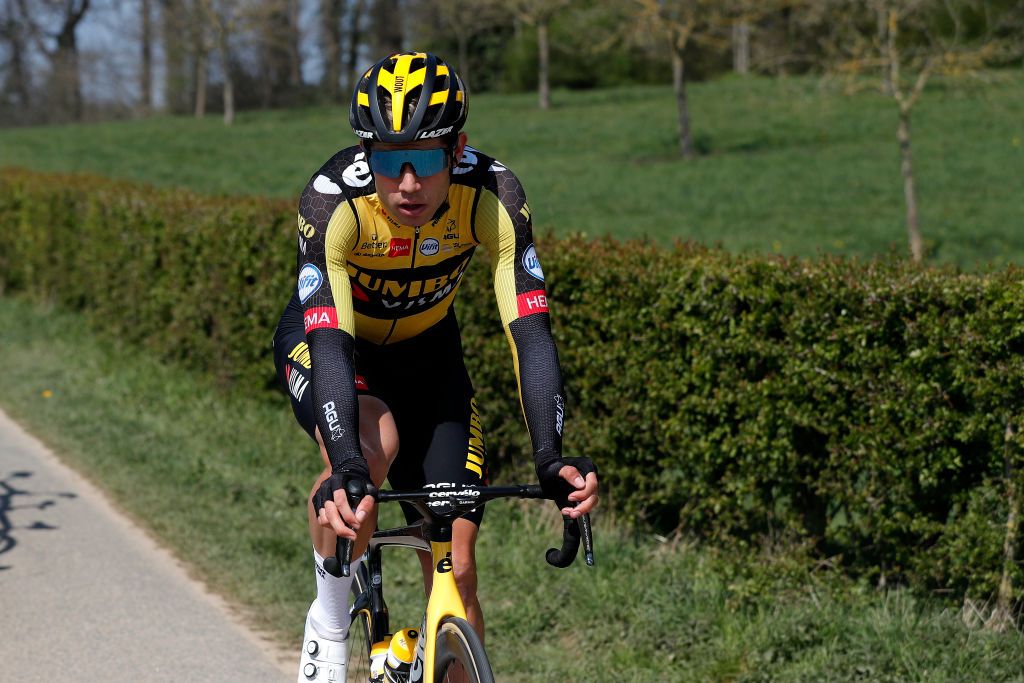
[[14, 498]]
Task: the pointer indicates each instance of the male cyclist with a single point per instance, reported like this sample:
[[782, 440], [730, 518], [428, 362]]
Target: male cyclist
[[369, 347]]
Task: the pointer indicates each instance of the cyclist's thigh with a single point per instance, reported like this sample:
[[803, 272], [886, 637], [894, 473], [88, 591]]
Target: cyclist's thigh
[[378, 435], [442, 448]]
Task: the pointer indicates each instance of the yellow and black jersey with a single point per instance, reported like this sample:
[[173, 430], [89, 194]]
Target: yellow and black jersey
[[362, 275]]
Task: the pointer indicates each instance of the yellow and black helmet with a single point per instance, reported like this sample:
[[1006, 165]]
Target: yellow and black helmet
[[409, 96]]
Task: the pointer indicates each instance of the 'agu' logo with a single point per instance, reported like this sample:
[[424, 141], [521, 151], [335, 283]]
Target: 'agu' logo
[[531, 263], [310, 279]]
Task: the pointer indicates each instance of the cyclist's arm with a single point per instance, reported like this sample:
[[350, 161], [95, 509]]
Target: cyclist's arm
[[503, 225], [327, 229]]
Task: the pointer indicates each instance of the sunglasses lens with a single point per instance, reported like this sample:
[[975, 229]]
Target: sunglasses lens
[[425, 162]]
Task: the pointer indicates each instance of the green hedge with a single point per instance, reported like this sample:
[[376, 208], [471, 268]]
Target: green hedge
[[866, 412]]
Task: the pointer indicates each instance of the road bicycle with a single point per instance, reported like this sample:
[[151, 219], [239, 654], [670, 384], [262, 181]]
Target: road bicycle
[[446, 642]]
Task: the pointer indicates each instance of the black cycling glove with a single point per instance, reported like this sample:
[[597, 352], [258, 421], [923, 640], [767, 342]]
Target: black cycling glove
[[352, 476], [556, 487]]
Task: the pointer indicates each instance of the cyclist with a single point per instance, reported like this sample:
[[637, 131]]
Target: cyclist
[[369, 348]]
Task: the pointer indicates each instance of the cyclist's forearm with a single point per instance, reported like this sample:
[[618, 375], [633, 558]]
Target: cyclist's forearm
[[540, 385], [334, 396]]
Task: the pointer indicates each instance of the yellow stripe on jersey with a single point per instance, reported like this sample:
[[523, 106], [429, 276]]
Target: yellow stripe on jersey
[[496, 231], [339, 240]]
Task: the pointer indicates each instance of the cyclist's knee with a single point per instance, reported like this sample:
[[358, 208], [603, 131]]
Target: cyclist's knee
[[464, 570]]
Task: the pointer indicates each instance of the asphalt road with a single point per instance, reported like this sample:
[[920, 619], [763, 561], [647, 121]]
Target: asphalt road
[[86, 596]]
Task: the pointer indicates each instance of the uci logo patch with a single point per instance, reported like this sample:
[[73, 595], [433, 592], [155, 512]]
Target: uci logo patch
[[310, 279], [531, 264]]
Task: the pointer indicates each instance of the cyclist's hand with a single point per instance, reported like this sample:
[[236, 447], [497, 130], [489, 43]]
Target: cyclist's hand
[[572, 483], [333, 504]]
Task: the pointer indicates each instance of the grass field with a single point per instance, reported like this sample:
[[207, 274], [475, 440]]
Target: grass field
[[221, 479], [787, 166]]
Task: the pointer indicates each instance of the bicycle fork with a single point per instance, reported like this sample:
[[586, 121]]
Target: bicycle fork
[[445, 601]]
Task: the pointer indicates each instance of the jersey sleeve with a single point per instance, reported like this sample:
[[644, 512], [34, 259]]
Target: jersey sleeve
[[502, 223], [328, 227]]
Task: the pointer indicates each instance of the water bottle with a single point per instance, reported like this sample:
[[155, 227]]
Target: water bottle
[[401, 651], [378, 655]]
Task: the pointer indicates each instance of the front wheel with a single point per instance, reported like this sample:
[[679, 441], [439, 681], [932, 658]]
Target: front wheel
[[459, 655]]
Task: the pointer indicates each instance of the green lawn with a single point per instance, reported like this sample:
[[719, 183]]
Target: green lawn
[[221, 480], [788, 166]]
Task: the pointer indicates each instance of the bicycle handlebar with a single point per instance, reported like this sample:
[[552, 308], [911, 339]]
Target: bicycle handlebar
[[465, 499]]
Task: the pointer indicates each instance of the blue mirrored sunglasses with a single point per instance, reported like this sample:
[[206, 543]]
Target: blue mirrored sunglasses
[[425, 162]]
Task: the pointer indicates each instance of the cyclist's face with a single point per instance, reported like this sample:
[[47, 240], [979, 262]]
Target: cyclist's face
[[413, 199]]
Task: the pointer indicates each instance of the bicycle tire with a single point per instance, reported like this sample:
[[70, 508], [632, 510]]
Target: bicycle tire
[[360, 636], [458, 644]]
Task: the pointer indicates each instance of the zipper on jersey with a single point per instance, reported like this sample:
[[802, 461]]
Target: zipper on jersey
[[412, 267]]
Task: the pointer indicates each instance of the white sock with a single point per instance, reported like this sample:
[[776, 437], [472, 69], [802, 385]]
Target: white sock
[[330, 609]]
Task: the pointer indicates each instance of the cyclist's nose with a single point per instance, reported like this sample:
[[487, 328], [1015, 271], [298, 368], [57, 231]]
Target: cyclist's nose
[[408, 181]]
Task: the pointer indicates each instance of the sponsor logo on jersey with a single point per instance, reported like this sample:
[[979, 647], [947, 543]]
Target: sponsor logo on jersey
[[429, 246], [358, 172], [400, 246], [305, 229], [321, 316], [296, 382], [300, 354], [532, 302], [310, 279], [532, 264], [451, 231], [467, 162], [376, 294], [361, 384], [302, 245], [333, 423], [559, 413], [325, 185]]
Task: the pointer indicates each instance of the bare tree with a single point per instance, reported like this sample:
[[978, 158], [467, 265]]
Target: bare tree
[[146, 67], [176, 34], [895, 47], [386, 27], [275, 26], [16, 83], [539, 13], [223, 18], [465, 19], [331, 12], [58, 21]]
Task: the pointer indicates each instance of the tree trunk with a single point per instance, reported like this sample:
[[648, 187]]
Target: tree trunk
[[202, 76], [294, 37], [386, 16], [543, 65], [679, 85], [177, 96], [1002, 615], [13, 32], [741, 47], [330, 21], [67, 81], [223, 43], [909, 193], [229, 99], [354, 38], [146, 69]]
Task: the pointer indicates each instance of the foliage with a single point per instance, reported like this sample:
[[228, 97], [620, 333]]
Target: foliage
[[195, 462], [857, 409], [785, 167]]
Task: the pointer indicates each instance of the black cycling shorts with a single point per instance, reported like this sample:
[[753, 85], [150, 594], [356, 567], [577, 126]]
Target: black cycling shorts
[[423, 380]]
